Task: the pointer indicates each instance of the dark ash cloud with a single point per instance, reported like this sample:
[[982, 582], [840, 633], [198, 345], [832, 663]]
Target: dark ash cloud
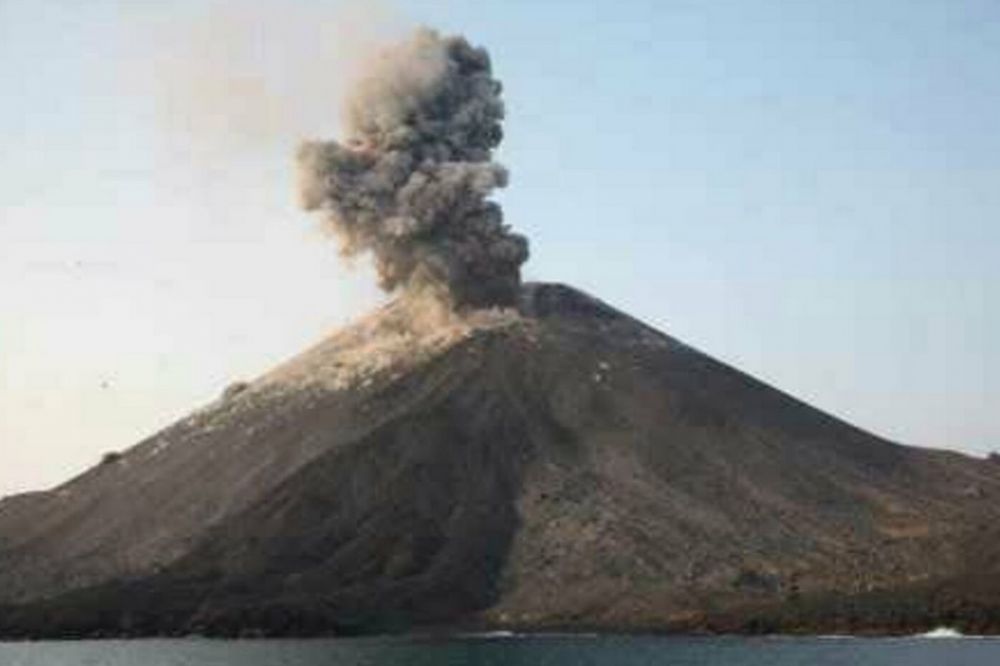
[[411, 182]]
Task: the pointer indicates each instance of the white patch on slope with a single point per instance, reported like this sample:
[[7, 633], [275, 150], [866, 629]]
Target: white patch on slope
[[393, 339]]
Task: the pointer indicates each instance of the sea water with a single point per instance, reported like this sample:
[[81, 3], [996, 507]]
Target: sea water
[[512, 651]]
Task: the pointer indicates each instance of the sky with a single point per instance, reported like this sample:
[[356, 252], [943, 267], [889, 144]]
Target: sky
[[806, 191]]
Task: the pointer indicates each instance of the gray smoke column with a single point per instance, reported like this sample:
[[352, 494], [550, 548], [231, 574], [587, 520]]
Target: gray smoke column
[[412, 181]]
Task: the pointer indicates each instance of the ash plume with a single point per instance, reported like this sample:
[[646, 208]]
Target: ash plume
[[411, 182]]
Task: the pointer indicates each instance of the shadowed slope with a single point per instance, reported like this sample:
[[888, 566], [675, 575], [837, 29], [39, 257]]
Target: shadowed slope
[[564, 466]]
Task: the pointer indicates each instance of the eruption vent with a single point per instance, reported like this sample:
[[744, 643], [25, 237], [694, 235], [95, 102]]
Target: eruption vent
[[411, 182]]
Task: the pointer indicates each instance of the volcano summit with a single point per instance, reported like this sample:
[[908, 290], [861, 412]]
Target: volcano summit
[[482, 453], [557, 465]]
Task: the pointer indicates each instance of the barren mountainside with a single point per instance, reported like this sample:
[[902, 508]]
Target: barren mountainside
[[558, 464]]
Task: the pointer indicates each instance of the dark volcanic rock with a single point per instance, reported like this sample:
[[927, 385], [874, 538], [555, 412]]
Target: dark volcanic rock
[[563, 466]]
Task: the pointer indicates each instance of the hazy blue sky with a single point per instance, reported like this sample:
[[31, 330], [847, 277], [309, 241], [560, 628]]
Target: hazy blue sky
[[807, 190]]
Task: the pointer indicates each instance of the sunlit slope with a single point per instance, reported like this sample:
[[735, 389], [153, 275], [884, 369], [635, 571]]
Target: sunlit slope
[[562, 465]]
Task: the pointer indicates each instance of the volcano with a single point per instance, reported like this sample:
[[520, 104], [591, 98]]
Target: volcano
[[553, 465]]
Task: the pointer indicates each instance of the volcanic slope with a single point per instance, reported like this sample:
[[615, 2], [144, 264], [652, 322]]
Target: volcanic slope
[[561, 465]]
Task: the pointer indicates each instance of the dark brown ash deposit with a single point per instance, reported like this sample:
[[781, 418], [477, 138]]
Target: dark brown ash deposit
[[557, 465]]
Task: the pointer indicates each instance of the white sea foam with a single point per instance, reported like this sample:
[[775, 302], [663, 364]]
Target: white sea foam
[[942, 632], [500, 633]]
